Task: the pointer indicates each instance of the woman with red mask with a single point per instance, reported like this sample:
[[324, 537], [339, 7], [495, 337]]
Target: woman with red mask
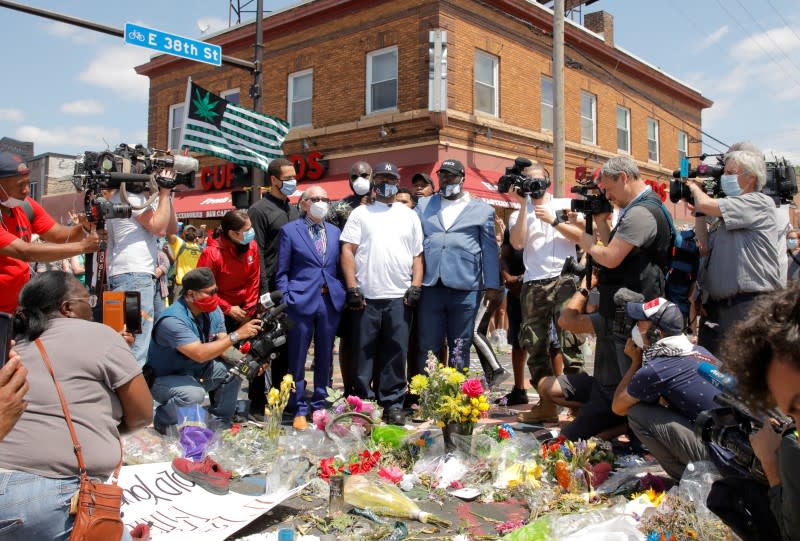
[[232, 256]]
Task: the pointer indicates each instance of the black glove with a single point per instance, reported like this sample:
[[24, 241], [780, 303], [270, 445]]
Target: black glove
[[354, 299], [412, 296]]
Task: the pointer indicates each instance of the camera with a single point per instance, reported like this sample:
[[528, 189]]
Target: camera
[[573, 268], [711, 174], [594, 199], [261, 349], [781, 184], [526, 185]]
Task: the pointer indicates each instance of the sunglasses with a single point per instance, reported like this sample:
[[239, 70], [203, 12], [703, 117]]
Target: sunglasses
[[318, 199], [91, 300], [362, 175]]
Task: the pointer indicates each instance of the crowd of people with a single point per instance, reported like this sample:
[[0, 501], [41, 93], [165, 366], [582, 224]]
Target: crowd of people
[[399, 275]]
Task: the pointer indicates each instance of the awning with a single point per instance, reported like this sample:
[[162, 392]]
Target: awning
[[202, 204]]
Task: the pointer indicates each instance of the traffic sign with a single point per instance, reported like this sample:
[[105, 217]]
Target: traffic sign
[[157, 40]]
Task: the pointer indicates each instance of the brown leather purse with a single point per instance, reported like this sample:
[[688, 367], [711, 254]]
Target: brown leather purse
[[97, 513]]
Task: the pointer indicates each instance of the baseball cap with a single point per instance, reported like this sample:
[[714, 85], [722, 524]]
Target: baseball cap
[[11, 165], [422, 176], [665, 315], [452, 166], [187, 227], [197, 279], [386, 168]]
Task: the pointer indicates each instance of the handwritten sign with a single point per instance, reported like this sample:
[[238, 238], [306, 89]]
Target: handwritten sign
[[179, 510]]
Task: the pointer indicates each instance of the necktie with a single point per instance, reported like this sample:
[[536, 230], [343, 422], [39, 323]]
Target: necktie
[[317, 239]]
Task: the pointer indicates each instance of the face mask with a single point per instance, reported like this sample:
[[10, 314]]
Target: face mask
[[730, 185], [11, 202], [386, 190], [361, 186], [318, 210], [207, 304], [190, 237], [636, 336], [249, 235], [289, 186], [452, 190], [791, 244]]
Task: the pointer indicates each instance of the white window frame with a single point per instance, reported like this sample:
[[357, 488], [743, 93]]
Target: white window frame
[[173, 144], [593, 118], [683, 145], [224, 95], [495, 86], [370, 56], [291, 100], [626, 128], [653, 122], [548, 113]]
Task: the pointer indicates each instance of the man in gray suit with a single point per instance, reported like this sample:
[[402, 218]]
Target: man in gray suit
[[461, 260]]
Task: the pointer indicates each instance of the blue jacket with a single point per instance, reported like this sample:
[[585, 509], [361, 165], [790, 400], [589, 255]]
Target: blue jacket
[[466, 255], [302, 272]]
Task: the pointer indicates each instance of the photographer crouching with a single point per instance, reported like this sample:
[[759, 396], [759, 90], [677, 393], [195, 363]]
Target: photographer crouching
[[763, 354], [187, 339], [742, 245]]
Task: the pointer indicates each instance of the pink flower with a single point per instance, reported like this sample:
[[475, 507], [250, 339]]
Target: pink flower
[[321, 418], [355, 403], [472, 388], [392, 473]]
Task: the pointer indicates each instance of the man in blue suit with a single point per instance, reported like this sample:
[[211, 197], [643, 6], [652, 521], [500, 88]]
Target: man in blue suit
[[461, 260], [307, 274]]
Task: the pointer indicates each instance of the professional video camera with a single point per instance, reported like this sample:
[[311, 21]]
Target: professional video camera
[[622, 321], [573, 268], [711, 174], [594, 199], [781, 184], [261, 349], [526, 185]]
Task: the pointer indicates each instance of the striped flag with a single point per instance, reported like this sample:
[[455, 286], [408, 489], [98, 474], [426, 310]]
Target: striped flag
[[214, 126]]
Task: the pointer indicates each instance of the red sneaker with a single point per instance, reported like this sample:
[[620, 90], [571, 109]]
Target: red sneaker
[[206, 474]]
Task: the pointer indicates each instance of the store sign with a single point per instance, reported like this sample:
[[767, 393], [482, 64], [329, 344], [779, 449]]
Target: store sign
[[216, 177], [660, 188], [309, 166]]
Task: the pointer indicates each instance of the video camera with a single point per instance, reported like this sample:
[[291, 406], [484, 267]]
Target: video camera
[[622, 321], [781, 184], [571, 267], [526, 185], [594, 199], [261, 349], [711, 174]]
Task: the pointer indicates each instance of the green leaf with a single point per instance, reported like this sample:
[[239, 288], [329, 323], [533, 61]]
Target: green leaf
[[204, 107]]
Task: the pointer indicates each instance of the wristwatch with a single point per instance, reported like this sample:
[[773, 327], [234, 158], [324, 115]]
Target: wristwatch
[[234, 336], [583, 291], [559, 219]]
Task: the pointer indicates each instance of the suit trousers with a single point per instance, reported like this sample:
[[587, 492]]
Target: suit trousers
[[382, 325], [444, 311]]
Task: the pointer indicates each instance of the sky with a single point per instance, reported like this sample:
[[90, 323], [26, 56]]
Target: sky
[[68, 89]]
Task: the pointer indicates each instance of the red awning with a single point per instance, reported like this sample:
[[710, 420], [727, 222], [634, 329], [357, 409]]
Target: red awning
[[202, 204]]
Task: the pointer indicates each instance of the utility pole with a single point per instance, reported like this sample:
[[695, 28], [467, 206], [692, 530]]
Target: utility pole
[[255, 92], [558, 99]]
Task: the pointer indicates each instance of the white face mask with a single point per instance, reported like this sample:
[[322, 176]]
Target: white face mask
[[361, 186], [11, 202], [636, 336], [452, 190], [318, 210]]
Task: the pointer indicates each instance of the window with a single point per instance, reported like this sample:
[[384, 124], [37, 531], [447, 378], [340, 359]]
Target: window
[[547, 103], [382, 80], [486, 83], [588, 118], [301, 92], [652, 139], [175, 122], [33, 190], [233, 95], [683, 145], [623, 130]]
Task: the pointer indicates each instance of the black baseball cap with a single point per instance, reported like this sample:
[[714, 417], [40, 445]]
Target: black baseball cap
[[386, 168], [452, 166], [422, 176], [11, 165]]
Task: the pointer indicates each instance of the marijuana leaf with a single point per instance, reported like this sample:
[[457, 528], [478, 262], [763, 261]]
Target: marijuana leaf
[[204, 107]]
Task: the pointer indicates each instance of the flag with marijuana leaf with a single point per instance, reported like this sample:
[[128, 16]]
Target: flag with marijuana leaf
[[214, 126]]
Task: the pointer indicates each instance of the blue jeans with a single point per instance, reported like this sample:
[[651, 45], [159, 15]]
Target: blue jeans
[[35, 508], [184, 390], [444, 311], [145, 284]]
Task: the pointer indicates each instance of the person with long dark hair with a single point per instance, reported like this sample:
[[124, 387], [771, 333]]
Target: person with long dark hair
[[105, 392]]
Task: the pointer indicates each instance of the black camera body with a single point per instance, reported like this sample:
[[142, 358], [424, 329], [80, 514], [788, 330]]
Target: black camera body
[[781, 184], [571, 267], [711, 185], [526, 185], [261, 349], [594, 200]]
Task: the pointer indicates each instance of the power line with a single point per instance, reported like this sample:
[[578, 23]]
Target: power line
[[783, 19], [764, 31]]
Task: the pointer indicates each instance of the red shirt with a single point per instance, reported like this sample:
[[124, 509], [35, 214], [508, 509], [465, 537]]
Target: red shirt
[[15, 273], [236, 274]]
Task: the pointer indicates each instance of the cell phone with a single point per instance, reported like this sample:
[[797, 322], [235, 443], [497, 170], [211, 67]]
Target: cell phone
[[133, 312], [6, 335], [123, 310]]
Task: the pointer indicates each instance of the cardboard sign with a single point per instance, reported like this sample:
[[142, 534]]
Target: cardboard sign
[[177, 509]]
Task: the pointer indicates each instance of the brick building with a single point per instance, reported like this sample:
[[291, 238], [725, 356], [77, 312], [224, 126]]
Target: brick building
[[356, 80]]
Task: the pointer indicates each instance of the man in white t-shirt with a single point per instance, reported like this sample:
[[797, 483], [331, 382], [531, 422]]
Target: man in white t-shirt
[[544, 290], [131, 256], [381, 260]]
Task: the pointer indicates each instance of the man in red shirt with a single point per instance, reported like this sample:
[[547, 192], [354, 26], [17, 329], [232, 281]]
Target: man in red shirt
[[20, 217]]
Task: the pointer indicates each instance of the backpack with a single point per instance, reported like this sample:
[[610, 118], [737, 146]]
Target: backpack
[[680, 272]]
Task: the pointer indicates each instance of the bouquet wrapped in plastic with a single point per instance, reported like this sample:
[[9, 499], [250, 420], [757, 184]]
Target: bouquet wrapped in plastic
[[385, 499]]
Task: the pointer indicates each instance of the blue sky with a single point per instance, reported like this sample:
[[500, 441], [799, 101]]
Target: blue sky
[[68, 89]]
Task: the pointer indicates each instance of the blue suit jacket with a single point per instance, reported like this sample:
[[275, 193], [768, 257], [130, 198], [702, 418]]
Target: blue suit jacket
[[466, 255], [301, 270]]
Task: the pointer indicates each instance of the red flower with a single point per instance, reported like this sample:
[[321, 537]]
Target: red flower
[[456, 484], [472, 388], [355, 469], [503, 433]]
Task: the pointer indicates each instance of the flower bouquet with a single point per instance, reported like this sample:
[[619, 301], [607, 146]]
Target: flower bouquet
[[363, 462], [359, 411], [277, 398], [577, 466]]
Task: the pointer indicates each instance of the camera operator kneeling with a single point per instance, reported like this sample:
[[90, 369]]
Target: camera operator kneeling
[[188, 338]]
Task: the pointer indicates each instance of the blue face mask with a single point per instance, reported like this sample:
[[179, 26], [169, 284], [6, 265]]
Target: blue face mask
[[289, 186], [730, 185], [249, 236], [791, 244], [386, 190]]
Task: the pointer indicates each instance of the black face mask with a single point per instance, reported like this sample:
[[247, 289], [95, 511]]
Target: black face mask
[[190, 237]]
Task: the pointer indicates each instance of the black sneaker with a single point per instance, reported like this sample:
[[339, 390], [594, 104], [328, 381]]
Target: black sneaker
[[395, 416], [514, 398]]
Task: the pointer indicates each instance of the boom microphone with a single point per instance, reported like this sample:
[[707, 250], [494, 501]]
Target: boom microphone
[[719, 379]]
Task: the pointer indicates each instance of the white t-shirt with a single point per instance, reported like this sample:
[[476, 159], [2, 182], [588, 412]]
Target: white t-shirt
[[388, 238], [131, 247], [545, 248], [452, 209]]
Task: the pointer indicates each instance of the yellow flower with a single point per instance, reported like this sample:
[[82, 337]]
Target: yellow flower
[[483, 406], [474, 402], [273, 396], [419, 383], [455, 378]]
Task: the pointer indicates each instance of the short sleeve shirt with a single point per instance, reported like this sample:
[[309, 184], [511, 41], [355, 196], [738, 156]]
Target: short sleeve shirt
[[637, 226], [131, 247], [173, 332], [545, 248]]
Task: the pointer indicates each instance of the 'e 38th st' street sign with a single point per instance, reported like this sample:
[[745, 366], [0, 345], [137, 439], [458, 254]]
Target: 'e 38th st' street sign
[[163, 42]]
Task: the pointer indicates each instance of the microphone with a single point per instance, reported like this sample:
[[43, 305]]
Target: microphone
[[268, 300], [129, 177], [719, 379], [624, 295]]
